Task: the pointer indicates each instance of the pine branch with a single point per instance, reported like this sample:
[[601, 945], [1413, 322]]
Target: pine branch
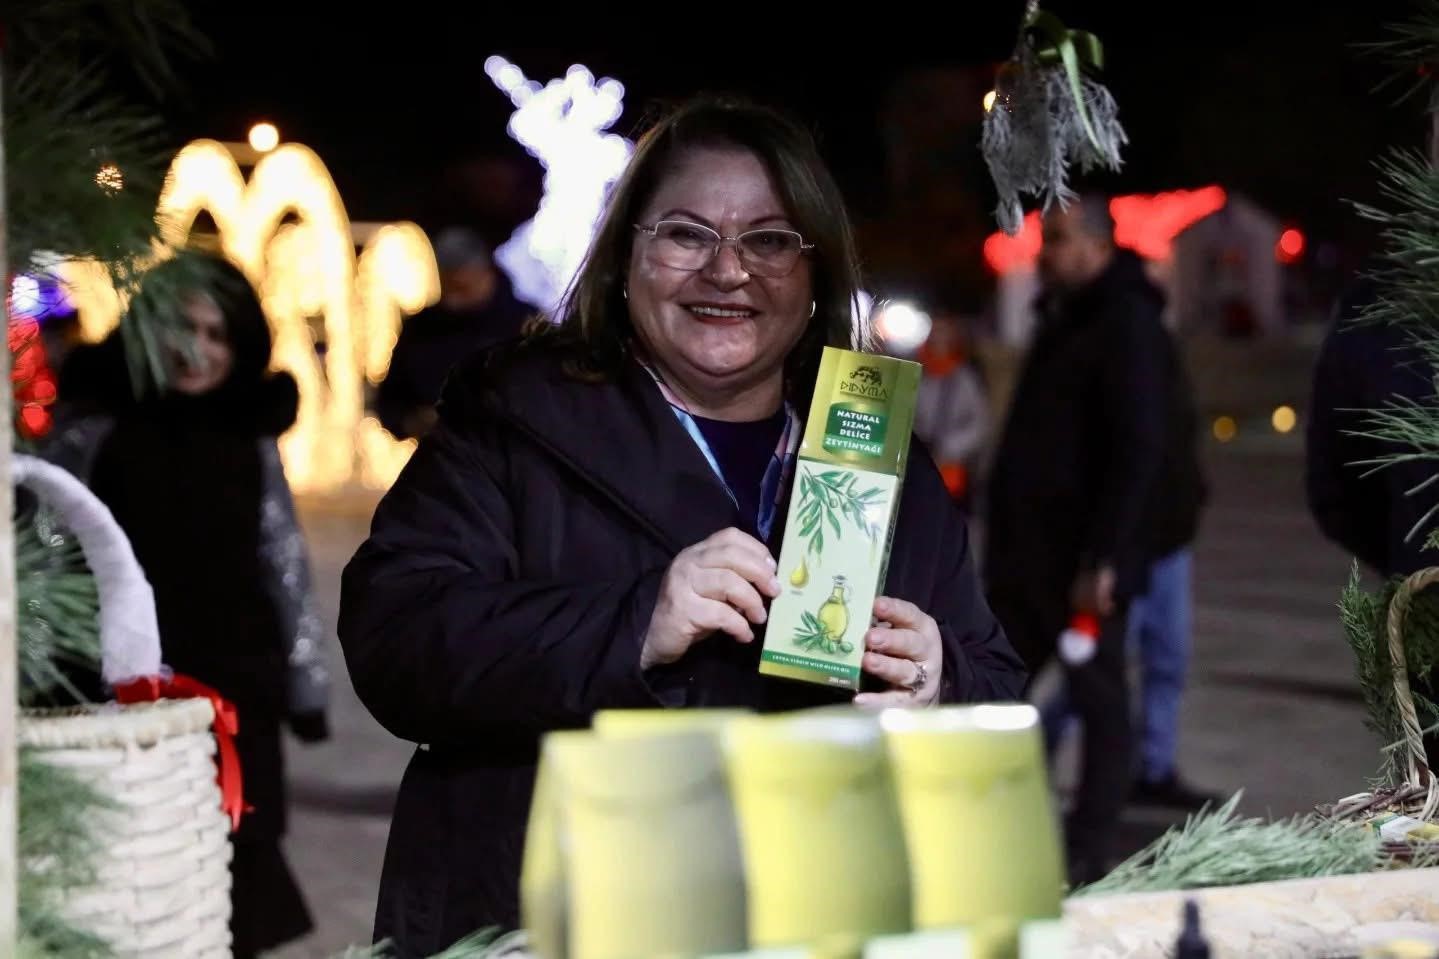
[[485, 944], [1408, 281], [1217, 848], [380, 950], [1409, 226], [62, 125], [488, 944], [57, 611], [1411, 48], [148, 34], [59, 211], [1365, 620], [57, 811]]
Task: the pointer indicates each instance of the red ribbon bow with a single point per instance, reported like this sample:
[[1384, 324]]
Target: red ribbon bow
[[148, 689]]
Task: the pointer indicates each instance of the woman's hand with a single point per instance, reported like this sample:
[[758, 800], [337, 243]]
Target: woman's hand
[[717, 585], [906, 653]]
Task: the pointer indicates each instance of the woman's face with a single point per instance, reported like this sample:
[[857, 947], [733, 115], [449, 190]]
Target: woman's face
[[209, 365], [722, 326]]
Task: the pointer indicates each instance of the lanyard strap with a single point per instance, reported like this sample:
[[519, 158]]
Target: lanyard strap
[[776, 474]]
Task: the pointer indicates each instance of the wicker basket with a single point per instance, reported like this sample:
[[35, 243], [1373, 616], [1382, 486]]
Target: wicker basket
[[1418, 795], [162, 887]]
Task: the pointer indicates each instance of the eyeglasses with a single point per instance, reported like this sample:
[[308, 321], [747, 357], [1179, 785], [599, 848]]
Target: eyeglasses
[[683, 245]]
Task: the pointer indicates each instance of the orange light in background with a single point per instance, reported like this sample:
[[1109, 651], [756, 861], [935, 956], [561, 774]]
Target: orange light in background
[[1284, 419], [1290, 246], [110, 178], [1225, 429], [264, 137], [1003, 253]]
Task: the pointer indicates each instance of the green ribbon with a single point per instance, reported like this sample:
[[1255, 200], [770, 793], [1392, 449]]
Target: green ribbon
[[1077, 50]]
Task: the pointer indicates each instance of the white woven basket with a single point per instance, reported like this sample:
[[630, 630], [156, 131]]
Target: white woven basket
[[162, 887]]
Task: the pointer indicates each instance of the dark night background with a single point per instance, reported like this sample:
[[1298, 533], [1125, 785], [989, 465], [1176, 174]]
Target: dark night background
[[1269, 98], [1273, 100]]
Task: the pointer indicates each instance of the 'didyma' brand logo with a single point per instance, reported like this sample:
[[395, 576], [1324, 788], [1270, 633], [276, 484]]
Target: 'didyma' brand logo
[[865, 381]]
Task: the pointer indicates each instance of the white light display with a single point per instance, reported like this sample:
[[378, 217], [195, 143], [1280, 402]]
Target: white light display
[[564, 125], [902, 326], [25, 296]]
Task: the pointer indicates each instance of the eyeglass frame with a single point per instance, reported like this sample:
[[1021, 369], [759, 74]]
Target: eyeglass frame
[[721, 241]]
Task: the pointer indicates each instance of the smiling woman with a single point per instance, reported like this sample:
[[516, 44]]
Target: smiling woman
[[717, 301], [593, 523]]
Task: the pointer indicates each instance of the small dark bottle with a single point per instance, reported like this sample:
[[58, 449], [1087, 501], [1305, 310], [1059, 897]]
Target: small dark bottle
[[1191, 943]]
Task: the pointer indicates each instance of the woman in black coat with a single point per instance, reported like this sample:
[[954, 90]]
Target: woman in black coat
[[593, 524], [192, 474]]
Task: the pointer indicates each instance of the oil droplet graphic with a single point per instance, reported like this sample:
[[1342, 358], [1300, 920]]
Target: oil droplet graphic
[[800, 576]]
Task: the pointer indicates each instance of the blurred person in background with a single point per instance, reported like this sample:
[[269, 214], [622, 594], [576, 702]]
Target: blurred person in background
[[1363, 367], [1161, 626], [192, 474], [477, 308], [1090, 483], [952, 415]]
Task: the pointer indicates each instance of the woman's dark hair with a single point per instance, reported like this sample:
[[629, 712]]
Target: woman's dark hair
[[594, 315]]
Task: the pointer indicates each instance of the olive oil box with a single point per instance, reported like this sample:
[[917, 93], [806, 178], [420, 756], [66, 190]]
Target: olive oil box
[[835, 551]]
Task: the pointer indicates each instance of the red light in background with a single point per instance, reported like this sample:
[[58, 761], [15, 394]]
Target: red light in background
[[1290, 246], [1003, 252], [1148, 224], [1145, 224], [36, 419], [31, 379]]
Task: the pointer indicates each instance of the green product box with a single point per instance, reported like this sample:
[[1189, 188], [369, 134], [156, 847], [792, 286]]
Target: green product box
[[841, 517]]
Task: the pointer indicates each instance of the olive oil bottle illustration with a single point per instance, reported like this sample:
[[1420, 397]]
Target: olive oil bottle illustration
[[823, 631], [834, 614]]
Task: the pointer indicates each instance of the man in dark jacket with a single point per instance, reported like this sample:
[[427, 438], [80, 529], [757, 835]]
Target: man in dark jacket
[[477, 308], [1094, 479]]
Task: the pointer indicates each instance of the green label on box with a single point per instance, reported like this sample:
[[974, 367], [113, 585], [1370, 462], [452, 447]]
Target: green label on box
[[853, 429], [814, 670]]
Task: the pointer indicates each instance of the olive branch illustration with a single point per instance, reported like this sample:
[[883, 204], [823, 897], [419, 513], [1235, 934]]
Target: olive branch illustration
[[829, 497]]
